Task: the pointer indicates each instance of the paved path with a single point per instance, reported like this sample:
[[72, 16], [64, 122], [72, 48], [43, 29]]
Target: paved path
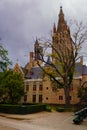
[[6, 128], [43, 121]]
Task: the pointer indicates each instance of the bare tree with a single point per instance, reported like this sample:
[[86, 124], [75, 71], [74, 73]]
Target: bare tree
[[63, 58]]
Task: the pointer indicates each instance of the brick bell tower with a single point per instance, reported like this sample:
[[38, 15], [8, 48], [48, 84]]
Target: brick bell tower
[[61, 38]]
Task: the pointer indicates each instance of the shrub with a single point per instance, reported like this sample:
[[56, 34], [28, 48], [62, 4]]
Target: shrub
[[21, 109], [48, 109], [60, 109]]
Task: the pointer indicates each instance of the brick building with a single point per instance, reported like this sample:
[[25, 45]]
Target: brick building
[[38, 88]]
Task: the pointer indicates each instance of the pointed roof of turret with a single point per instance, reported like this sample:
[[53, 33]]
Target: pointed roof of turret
[[61, 11], [49, 60], [36, 42]]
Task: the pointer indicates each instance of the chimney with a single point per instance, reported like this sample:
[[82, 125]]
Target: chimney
[[81, 60]]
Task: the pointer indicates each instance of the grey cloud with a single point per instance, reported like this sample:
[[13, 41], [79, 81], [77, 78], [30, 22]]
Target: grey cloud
[[22, 20]]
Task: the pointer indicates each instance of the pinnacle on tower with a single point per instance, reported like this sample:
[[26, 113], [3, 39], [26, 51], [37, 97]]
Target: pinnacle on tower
[[54, 28], [36, 42], [49, 60]]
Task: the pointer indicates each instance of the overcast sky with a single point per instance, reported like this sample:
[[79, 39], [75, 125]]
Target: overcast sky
[[21, 21]]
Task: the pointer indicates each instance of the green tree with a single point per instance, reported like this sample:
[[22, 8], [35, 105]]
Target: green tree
[[11, 87], [4, 60]]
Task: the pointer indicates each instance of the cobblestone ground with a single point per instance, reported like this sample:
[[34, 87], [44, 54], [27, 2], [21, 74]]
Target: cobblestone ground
[[43, 121]]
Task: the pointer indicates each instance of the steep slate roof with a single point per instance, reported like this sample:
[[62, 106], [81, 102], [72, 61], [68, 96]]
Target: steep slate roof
[[34, 73], [37, 73], [84, 70], [80, 70]]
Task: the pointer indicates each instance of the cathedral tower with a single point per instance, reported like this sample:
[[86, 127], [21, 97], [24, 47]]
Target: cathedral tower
[[61, 37]]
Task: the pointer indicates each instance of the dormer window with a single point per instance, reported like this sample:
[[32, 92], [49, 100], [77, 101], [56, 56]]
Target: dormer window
[[31, 72]]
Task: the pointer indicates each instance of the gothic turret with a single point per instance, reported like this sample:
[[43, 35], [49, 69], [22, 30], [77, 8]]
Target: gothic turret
[[37, 50]]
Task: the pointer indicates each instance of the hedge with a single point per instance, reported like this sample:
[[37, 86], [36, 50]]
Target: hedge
[[62, 109], [21, 109]]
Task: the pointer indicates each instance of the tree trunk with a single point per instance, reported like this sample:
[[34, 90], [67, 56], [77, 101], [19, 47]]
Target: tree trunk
[[67, 96]]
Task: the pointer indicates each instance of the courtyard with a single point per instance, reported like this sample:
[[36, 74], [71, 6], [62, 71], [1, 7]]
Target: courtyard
[[41, 121]]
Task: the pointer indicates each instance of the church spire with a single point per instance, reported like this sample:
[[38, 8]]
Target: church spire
[[61, 23]]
